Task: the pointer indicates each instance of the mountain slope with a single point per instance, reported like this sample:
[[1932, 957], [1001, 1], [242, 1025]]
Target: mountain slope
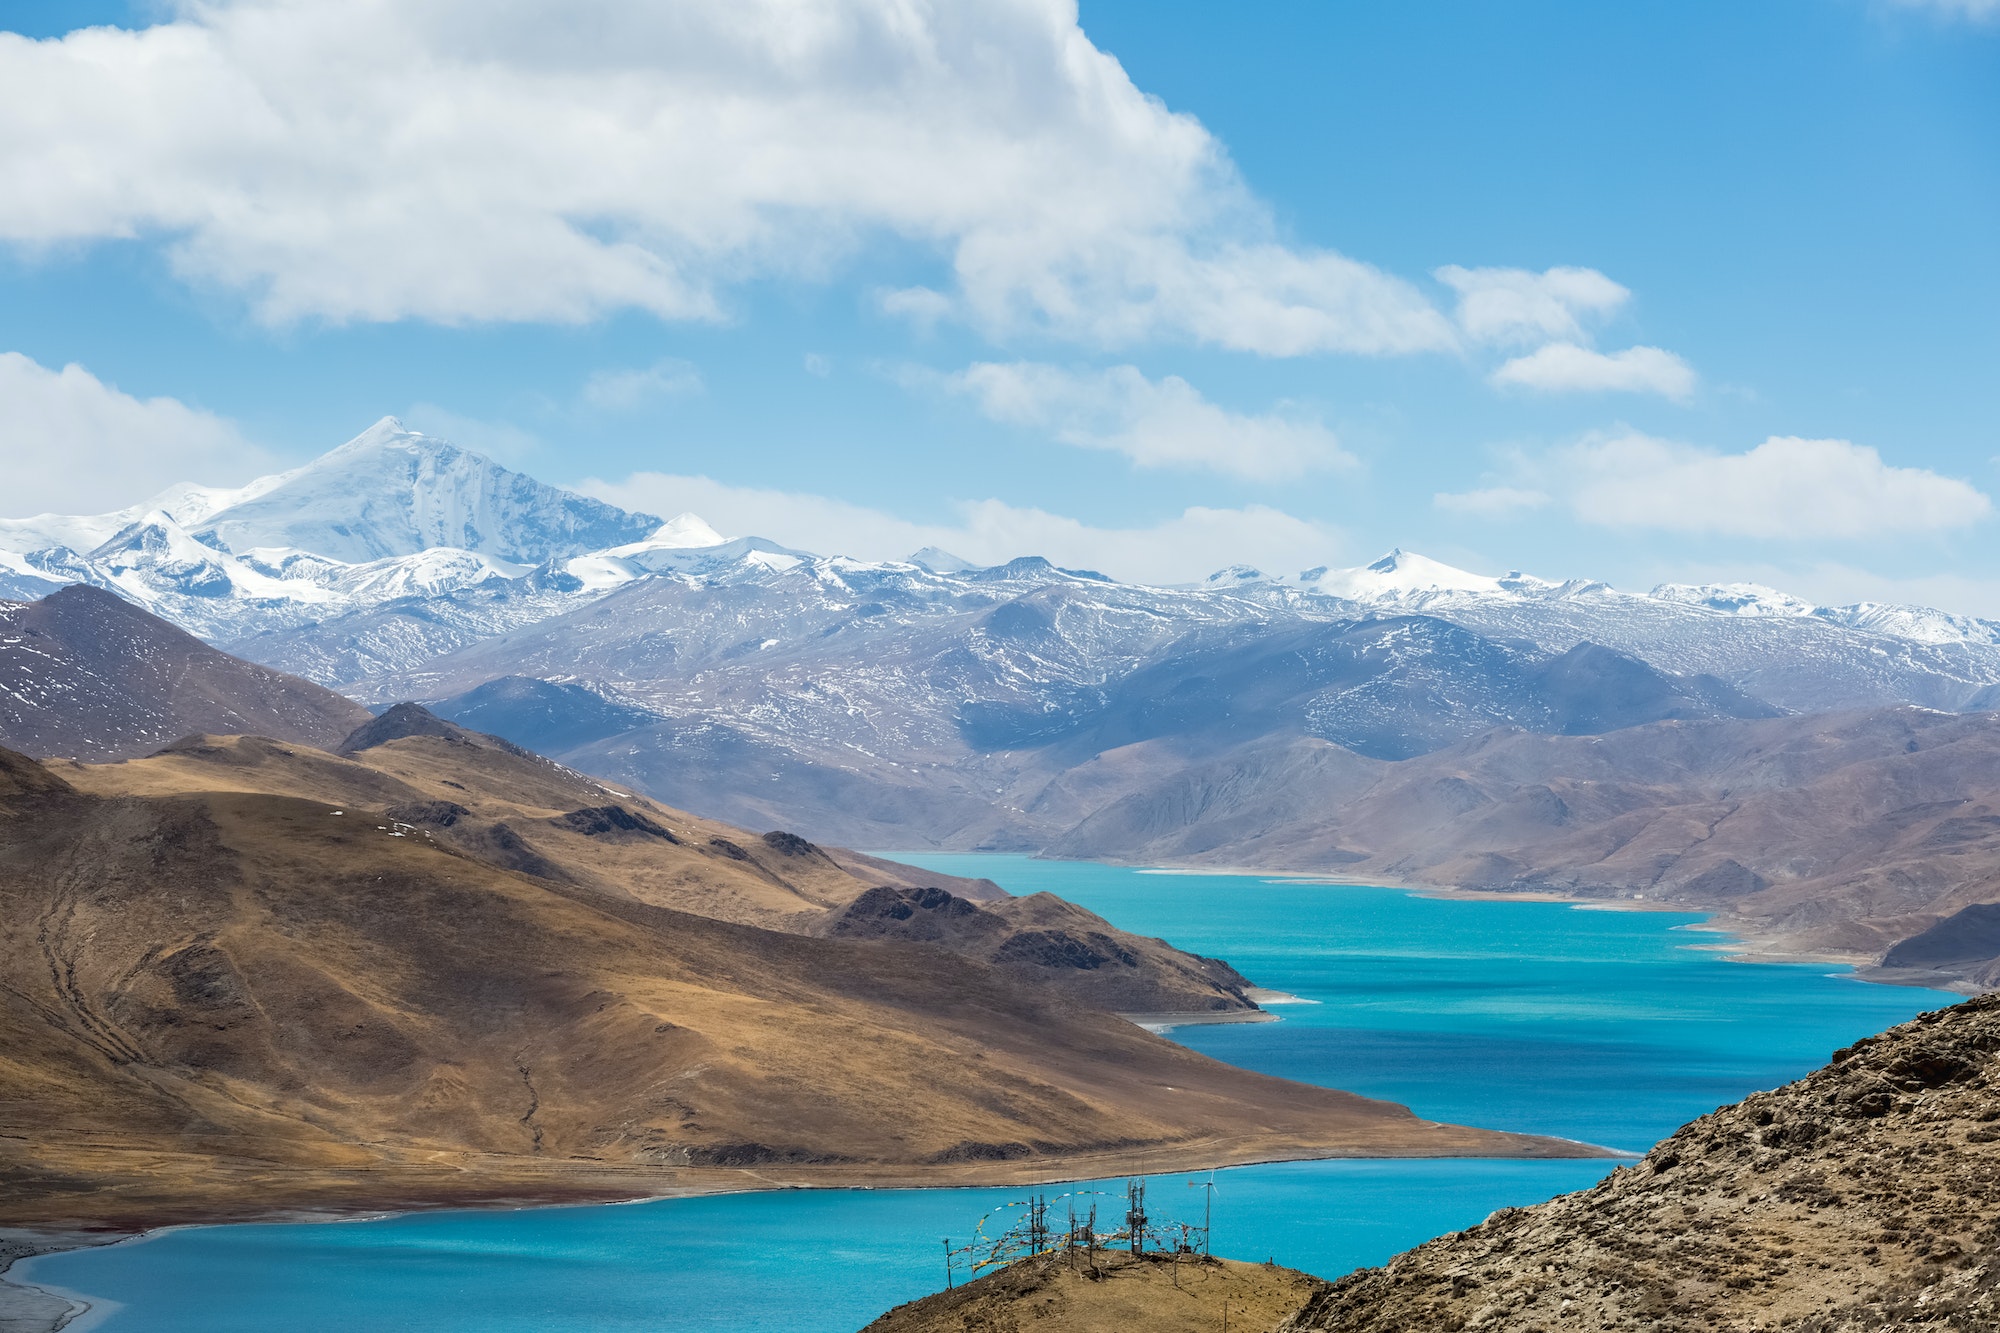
[[84, 673]]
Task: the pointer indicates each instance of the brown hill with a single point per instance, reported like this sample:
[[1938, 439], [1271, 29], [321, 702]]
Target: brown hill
[[485, 797], [1049, 941], [244, 975], [1837, 836], [1866, 1196], [86, 674], [1111, 1291]]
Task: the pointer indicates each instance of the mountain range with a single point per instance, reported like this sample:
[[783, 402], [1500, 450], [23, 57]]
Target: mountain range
[[1404, 720]]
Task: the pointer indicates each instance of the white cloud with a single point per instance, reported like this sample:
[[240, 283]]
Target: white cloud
[[1491, 502], [70, 443], [1155, 423], [624, 390], [1520, 306], [1568, 368], [1785, 488], [1181, 549], [465, 160]]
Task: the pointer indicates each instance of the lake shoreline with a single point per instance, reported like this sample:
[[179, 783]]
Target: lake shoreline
[[1757, 946], [30, 1308]]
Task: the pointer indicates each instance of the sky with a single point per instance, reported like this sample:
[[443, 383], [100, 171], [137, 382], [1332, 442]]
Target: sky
[[1667, 290]]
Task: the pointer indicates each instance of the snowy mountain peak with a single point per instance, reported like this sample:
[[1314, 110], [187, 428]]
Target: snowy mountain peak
[[1397, 575], [684, 532], [385, 430], [391, 492], [940, 561]]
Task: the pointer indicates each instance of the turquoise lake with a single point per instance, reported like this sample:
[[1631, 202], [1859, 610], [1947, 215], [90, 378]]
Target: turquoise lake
[[1611, 1027]]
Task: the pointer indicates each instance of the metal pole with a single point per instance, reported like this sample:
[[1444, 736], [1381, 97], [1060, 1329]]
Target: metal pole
[[947, 1263]]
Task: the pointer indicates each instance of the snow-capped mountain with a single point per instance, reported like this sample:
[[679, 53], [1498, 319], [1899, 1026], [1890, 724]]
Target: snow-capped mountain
[[1788, 651], [392, 492], [390, 515], [974, 704]]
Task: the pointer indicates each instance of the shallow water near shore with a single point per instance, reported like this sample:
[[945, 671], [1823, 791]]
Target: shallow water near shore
[[1601, 1026]]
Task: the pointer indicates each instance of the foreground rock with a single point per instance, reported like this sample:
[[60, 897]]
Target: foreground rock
[[1110, 1292], [1866, 1196]]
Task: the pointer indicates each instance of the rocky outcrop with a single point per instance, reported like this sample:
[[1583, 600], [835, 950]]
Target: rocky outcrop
[[1865, 1196], [1052, 943]]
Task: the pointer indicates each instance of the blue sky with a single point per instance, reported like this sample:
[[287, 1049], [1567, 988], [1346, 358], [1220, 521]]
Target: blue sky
[[1642, 292]]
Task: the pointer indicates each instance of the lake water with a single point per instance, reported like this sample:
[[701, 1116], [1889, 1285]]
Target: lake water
[[1612, 1027]]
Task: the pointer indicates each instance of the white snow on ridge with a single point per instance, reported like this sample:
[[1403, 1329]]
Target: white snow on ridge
[[1735, 599], [1397, 574], [940, 561], [1403, 576], [684, 531], [1919, 624]]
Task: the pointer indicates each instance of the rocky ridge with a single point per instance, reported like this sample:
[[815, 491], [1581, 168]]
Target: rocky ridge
[[1865, 1196]]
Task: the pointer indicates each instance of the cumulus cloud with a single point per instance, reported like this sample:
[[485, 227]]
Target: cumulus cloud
[[1785, 488], [1521, 306], [1490, 502], [1568, 368], [624, 390], [70, 443], [1180, 549], [1155, 423], [462, 160]]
